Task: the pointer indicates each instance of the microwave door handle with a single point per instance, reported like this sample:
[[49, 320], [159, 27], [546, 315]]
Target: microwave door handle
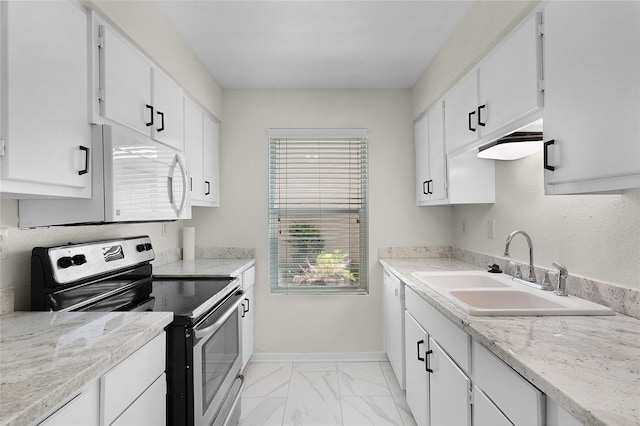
[[177, 160]]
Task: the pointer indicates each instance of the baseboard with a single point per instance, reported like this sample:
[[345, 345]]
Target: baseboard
[[320, 357]]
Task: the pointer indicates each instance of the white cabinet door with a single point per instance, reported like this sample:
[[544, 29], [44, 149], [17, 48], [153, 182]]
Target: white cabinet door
[[437, 169], [417, 379], [421, 138], [211, 158], [431, 176], [125, 82], [508, 79], [145, 411], [82, 410], [485, 413], [168, 102], [44, 85], [592, 96], [449, 390], [393, 327], [248, 320], [193, 139], [461, 109]]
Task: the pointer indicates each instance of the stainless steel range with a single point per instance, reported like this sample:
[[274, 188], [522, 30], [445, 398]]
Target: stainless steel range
[[203, 342]]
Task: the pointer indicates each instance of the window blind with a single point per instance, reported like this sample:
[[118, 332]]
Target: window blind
[[318, 211]]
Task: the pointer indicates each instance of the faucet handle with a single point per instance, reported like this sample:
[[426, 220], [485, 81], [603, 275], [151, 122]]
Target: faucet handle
[[562, 279], [518, 273], [546, 282]]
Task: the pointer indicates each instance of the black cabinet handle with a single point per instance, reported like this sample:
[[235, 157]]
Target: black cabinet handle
[[429, 182], [208, 187], [546, 154], [426, 364], [86, 160], [420, 342], [480, 108], [150, 123], [161, 114], [472, 113], [425, 191], [243, 311], [248, 306]]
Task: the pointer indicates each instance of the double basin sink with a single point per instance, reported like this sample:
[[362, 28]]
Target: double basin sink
[[482, 293]]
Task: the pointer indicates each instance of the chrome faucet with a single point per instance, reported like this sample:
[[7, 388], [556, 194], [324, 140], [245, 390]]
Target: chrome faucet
[[562, 279], [531, 277]]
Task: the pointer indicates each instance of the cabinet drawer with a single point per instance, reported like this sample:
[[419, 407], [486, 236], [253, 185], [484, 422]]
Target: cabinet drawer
[[454, 341], [149, 409], [82, 410], [129, 379], [248, 278], [485, 413], [518, 399]]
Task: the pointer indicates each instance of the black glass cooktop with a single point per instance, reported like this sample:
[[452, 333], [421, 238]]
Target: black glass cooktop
[[189, 300]]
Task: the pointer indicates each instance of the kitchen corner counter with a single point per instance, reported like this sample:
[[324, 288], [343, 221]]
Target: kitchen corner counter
[[45, 357], [590, 365], [203, 268]]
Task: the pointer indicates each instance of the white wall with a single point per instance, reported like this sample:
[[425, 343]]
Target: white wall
[[288, 323], [594, 236]]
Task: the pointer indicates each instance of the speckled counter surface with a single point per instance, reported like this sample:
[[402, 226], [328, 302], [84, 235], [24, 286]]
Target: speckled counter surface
[[203, 268], [45, 357], [590, 365]]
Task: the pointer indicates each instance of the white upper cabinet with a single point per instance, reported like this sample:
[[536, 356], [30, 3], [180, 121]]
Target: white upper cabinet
[[211, 158], [202, 145], [431, 171], [592, 97], [133, 92], [45, 135], [500, 95], [509, 80], [167, 100], [461, 121]]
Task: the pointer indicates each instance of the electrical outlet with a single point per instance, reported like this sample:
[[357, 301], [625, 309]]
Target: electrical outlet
[[491, 228], [464, 226], [4, 243]]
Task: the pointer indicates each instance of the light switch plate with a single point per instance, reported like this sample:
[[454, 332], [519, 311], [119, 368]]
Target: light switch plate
[[4, 243]]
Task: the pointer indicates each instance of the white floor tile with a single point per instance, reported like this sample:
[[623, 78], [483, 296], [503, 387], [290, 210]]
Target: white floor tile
[[262, 411], [314, 366], [370, 410], [267, 380], [313, 399], [362, 379]]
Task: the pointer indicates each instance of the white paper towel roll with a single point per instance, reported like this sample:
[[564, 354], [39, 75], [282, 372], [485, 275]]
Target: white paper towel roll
[[188, 243]]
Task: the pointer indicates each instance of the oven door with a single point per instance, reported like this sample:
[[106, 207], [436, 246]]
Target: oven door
[[217, 360]]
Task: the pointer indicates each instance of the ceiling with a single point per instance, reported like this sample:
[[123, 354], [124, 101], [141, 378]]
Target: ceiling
[[338, 44]]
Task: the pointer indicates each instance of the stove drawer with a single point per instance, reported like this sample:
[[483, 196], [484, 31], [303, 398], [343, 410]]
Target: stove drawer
[[124, 383]]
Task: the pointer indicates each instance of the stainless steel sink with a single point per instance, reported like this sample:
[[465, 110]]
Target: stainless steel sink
[[481, 293]]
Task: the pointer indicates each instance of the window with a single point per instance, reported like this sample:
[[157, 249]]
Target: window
[[318, 210]]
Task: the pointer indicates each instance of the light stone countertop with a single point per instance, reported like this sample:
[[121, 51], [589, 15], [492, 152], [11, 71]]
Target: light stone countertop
[[203, 268], [45, 357], [590, 365]]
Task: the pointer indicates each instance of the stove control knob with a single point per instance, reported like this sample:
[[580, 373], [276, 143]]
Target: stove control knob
[[140, 248], [147, 246], [79, 259], [65, 262]]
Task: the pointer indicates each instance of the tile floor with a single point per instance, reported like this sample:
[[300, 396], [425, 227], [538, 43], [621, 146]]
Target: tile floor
[[325, 393]]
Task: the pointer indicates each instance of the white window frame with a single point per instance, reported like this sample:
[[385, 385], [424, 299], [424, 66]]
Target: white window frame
[[280, 284]]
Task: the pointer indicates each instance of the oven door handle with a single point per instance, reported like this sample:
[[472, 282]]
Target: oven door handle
[[203, 332]]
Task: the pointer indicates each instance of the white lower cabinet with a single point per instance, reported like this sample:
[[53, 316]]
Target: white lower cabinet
[[248, 314], [133, 393], [393, 316], [438, 390], [452, 380]]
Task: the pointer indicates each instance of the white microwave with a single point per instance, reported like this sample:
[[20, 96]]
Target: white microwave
[[134, 179]]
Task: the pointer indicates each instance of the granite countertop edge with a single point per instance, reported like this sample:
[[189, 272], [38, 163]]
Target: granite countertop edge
[[558, 384], [54, 371]]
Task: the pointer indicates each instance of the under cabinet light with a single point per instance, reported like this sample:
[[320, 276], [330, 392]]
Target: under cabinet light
[[512, 147]]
